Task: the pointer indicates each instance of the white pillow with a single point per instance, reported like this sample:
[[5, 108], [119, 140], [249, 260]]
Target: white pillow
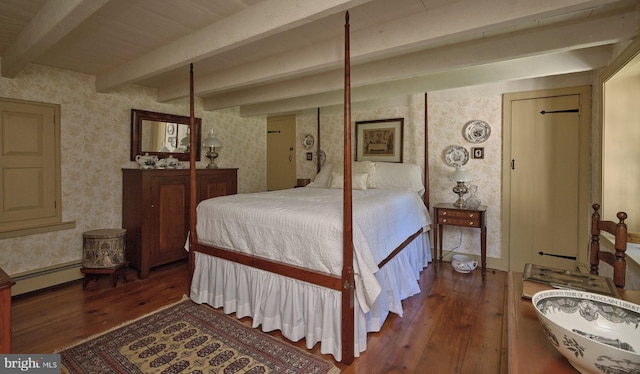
[[358, 181], [322, 179], [364, 167], [394, 176]]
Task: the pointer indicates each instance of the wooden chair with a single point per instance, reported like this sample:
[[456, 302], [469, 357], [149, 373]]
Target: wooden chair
[[617, 260]]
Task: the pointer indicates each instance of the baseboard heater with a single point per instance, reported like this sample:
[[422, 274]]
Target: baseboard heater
[[43, 278]]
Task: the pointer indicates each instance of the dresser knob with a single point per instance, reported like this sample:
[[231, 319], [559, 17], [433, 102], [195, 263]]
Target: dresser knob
[[444, 213], [444, 220], [470, 223], [470, 215]]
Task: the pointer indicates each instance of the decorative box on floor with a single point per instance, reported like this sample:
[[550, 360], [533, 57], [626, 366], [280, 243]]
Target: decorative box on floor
[[103, 252]]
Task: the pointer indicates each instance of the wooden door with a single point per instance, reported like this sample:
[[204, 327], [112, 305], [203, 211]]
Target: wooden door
[[170, 217], [547, 192], [281, 155]]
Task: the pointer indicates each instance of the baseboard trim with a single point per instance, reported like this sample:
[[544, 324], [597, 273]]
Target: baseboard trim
[[40, 279]]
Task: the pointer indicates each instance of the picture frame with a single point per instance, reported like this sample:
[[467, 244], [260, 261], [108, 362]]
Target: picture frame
[[379, 140], [477, 152]]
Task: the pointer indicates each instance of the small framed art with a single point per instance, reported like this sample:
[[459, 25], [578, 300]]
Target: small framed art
[[477, 152]]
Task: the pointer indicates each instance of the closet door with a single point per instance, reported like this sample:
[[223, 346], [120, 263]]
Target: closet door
[[547, 190]]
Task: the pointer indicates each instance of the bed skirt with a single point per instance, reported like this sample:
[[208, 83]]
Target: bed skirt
[[304, 310]]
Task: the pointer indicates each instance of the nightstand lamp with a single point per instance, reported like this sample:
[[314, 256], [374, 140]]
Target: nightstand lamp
[[212, 143], [460, 176]]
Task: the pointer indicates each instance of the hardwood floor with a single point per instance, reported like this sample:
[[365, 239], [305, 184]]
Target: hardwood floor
[[457, 324]]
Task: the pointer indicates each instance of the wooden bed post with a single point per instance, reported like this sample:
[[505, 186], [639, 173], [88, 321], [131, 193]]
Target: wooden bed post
[[347, 258], [192, 178], [425, 197], [318, 149]]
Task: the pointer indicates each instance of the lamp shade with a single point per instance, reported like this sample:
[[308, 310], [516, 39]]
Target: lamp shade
[[211, 141], [461, 175]]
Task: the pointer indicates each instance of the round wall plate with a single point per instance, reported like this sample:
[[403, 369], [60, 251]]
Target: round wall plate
[[477, 131], [456, 156], [308, 141]]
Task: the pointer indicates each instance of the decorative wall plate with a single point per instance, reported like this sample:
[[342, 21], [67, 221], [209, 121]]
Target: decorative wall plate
[[477, 131], [308, 141], [456, 155]]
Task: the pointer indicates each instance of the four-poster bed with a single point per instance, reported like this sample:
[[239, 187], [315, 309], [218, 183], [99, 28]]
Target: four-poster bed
[[316, 285]]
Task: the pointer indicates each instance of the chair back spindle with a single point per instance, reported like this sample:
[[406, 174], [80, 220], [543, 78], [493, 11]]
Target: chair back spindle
[[617, 259]]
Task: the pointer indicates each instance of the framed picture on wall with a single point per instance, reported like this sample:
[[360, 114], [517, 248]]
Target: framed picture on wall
[[379, 140], [477, 152]]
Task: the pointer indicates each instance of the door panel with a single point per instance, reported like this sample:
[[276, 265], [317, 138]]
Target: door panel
[[545, 152], [281, 155], [170, 197]]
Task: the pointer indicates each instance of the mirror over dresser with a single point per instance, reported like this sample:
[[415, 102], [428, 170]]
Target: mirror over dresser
[[162, 135]]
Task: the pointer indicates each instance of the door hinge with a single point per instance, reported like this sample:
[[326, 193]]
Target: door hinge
[[560, 111], [513, 164], [559, 256]]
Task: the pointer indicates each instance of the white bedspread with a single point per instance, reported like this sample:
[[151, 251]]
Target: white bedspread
[[303, 226]]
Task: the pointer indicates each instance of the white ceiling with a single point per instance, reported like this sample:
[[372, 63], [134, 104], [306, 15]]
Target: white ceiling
[[276, 55]]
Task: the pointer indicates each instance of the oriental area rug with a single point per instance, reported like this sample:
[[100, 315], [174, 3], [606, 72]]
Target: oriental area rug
[[188, 338]]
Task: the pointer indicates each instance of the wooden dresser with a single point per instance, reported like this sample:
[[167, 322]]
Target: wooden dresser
[[155, 211]]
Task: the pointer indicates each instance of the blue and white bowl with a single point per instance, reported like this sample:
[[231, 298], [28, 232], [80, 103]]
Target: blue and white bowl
[[596, 333]]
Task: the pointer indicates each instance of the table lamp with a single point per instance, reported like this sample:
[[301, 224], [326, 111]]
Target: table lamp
[[460, 176], [211, 143]]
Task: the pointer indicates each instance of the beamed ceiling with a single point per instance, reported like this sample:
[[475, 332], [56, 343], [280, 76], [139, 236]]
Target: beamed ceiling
[[269, 56]]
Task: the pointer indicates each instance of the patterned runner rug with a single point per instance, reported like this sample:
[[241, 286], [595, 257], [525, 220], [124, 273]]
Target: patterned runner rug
[[189, 338]]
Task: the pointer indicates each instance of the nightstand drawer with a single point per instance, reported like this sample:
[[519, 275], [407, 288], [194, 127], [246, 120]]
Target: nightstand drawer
[[446, 213], [458, 217], [459, 221]]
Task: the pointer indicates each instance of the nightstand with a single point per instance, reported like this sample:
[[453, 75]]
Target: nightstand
[[447, 214]]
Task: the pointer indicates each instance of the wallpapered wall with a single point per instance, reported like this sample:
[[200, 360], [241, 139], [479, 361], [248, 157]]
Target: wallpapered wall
[[95, 132]]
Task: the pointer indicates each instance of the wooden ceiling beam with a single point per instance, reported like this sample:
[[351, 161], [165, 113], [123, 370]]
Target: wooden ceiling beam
[[52, 23]]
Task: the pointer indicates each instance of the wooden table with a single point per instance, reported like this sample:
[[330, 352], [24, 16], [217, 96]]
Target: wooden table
[[529, 349], [447, 214]]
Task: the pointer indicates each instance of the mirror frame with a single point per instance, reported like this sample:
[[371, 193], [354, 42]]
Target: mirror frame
[[137, 116]]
